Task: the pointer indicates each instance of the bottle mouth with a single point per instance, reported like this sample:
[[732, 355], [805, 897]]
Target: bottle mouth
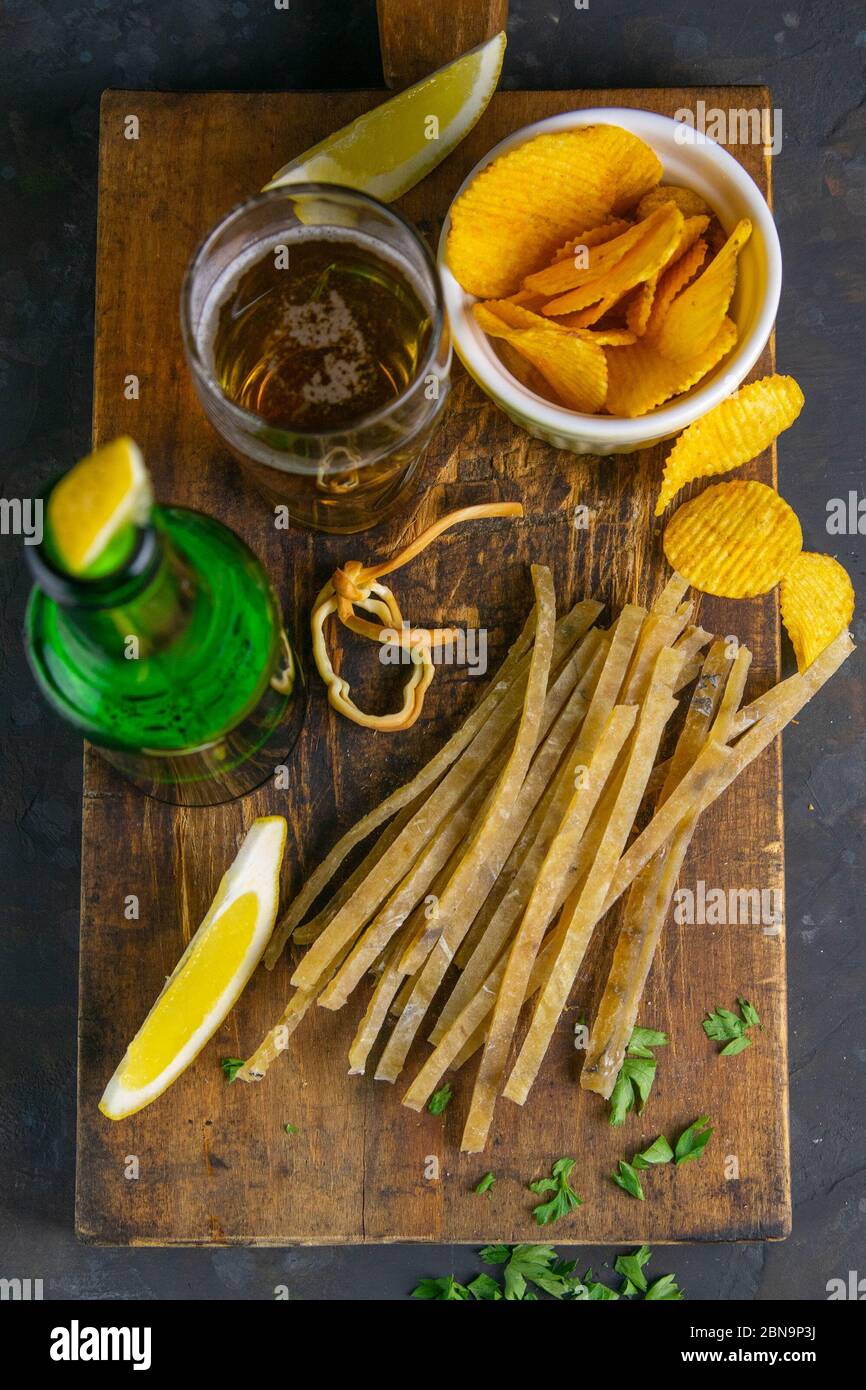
[[104, 590]]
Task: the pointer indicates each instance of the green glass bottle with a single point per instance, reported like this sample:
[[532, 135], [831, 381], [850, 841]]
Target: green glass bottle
[[175, 663]]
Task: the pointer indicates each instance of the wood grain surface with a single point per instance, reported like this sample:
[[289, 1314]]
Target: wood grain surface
[[416, 39], [214, 1163]]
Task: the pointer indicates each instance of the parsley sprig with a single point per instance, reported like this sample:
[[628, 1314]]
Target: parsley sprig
[[530, 1271], [231, 1066], [689, 1146], [659, 1151], [636, 1075], [441, 1099], [721, 1025], [628, 1180], [564, 1198], [444, 1290], [693, 1140]]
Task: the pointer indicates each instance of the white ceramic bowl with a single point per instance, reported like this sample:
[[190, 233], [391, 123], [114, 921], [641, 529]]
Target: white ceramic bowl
[[725, 185]]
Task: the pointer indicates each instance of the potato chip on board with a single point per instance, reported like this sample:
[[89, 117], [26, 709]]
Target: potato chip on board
[[674, 278], [733, 432], [735, 540], [644, 259], [690, 204], [635, 166], [693, 319], [639, 378], [817, 602], [514, 214]]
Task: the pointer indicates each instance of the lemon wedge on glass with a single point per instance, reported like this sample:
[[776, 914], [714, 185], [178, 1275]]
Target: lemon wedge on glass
[[389, 149], [209, 977], [103, 495]]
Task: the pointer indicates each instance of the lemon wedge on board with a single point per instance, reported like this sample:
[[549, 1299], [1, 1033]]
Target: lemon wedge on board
[[391, 148], [91, 505], [209, 977]]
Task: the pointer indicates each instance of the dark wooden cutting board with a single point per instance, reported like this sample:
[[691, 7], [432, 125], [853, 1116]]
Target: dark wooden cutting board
[[214, 1164]]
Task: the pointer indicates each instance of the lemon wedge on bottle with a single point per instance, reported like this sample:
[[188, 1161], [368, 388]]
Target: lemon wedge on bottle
[[209, 977], [96, 500], [389, 149]]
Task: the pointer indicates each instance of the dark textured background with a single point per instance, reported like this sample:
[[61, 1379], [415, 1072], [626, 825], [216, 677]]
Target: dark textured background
[[55, 60]]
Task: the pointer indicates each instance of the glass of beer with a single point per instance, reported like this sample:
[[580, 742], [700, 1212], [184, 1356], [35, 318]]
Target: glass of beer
[[315, 332]]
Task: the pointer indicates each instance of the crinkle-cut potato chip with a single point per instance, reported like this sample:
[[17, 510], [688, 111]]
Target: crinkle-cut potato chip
[[585, 318], [639, 306], [570, 362], [694, 317], [518, 316], [635, 166], [693, 227], [639, 378], [735, 540], [733, 432], [518, 210], [593, 236], [606, 337], [645, 259], [565, 274], [575, 368], [690, 204], [817, 601], [674, 278], [524, 372], [510, 313]]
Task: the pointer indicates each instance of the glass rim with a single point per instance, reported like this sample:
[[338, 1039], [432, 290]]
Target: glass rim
[[248, 419]]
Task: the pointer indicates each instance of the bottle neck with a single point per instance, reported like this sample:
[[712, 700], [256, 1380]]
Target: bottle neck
[[142, 607]]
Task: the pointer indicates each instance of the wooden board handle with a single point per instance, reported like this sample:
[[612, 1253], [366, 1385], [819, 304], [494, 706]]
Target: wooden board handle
[[418, 36]]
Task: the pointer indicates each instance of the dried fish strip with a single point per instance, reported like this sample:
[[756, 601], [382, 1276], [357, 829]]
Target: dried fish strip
[[656, 710], [490, 845], [646, 908], [449, 836], [406, 848], [309, 931], [539, 912], [717, 766], [552, 743], [624, 636], [627, 632], [466, 1033], [513, 669], [563, 710], [502, 921], [671, 595], [659, 630], [380, 1002]]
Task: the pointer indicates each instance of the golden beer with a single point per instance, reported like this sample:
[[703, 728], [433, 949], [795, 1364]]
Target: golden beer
[[315, 331]]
